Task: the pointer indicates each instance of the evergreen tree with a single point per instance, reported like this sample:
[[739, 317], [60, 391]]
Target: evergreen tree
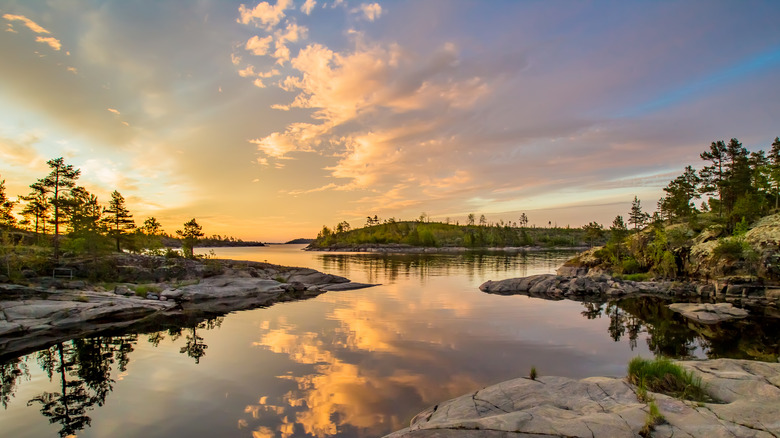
[[38, 206], [189, 235], [118, 219], [152, 227], [681, 192], [618, 233], [58, 183], [593, 231], [7, 218], [636, 216], [87, 229], [774, 170], [712, 176]]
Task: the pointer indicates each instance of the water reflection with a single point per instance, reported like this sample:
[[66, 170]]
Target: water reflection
[[670, 334], [83, 369], [349, 364], [82, 372], [389, 268]]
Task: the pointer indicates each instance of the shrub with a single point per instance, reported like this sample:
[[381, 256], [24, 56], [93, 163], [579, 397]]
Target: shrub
[[144, 290], [630, 266], [666, 377], [729, 249]]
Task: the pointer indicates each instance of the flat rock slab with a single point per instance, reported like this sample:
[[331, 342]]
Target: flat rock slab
[[608, 407], [707, 313]]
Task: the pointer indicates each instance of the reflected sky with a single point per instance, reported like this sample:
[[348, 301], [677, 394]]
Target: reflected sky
[[354, 363]]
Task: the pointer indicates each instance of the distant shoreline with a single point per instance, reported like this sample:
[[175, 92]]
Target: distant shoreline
[[402, 249]]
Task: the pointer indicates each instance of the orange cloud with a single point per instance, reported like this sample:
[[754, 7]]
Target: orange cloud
[[308, 6], [266, 14], [54, 43], [33, 26], [259, 46]]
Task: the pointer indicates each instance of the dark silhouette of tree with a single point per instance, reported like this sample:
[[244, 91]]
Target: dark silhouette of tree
[[37, 206], [118, 219], [151, 227], [470, 219], [7, 218], [58, 183], [189, 235], [523, 220]]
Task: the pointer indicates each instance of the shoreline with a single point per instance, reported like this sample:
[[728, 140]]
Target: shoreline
[[745, 401], [407, 249], [34, 317]]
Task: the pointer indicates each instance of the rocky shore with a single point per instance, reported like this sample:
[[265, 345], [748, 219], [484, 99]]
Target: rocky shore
[[409, 249], [570, 284], [745, 403], [54, 310]]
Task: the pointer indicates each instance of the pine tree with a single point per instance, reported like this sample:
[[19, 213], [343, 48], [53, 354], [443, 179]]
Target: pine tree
[[189, 235], [7, 218], [58, 183], [38, 206], [712, 176], [636, 216], [774, 170], [118, 219]]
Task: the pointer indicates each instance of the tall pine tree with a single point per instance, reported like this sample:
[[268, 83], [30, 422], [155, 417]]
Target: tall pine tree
[[58, 184], [118, 218]]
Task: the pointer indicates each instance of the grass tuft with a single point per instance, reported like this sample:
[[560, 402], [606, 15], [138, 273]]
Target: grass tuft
[[652, 419], [532, 375], [664, 376]]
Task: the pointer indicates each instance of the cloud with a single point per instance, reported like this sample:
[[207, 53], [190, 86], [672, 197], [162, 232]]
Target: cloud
[[249, 71], [33, 26], [308, 6], [112, 110], [259, 46], [266, 14], [52, 42], [371, 11]]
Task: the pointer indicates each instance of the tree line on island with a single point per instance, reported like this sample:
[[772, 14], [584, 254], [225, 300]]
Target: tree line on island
[[736, 187], [59, 216]]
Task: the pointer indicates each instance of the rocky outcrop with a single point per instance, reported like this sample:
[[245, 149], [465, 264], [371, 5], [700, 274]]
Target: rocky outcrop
[[746, 394], [708, 313], [33, 317], [599, 285]]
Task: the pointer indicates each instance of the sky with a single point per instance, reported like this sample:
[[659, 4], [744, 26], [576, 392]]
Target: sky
[[267, 120]]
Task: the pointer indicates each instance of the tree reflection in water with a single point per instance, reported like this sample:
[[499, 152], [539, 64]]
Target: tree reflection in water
[[669, 334], [83, 367], [83, 370]]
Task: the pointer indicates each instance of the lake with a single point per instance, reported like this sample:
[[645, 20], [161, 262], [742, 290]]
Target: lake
[[357, 363]]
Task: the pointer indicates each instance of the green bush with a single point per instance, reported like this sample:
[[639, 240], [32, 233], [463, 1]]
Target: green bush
[[729, 249], [630, 266], [664, 376]]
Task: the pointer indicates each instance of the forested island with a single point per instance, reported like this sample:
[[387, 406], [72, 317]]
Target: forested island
[[720, 220]]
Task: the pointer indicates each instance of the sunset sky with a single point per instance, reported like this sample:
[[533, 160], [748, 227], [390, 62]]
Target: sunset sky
[[268, 120]]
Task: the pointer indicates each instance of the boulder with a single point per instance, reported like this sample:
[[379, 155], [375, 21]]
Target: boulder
[[707, 313]]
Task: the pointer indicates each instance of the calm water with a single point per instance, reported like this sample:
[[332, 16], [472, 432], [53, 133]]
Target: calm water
[[354, 364]]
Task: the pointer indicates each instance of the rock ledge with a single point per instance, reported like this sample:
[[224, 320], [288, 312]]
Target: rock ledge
[[748, 393]]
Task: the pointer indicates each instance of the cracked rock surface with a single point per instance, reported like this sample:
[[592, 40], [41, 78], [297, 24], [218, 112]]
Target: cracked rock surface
[[748, 395]]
